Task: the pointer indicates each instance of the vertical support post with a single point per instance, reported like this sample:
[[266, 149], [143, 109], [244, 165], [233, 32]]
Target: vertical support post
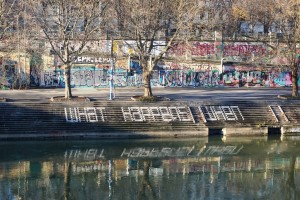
[[25, 41], [19, 40], [111, 82], [222, 49], [135, 78]]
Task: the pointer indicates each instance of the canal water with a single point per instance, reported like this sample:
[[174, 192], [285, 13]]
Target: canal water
[[199, 168]]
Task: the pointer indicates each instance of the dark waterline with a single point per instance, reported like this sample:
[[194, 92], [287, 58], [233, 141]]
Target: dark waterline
[[197, 168]]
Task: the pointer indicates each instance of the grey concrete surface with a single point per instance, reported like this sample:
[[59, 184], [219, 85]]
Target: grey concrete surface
[[178, 93]]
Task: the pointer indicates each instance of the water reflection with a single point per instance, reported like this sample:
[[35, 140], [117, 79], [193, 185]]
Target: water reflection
[[232, 168]]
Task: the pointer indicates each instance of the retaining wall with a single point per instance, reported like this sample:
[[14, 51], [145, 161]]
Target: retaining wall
[[116, 119]]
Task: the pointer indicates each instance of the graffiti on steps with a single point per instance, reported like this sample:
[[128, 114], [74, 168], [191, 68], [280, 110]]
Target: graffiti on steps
[[130, 114], [88, 114], [156, 114], [226, 113]]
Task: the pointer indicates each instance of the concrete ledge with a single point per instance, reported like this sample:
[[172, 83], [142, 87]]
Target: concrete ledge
[[245, 131], [290, 130], [203, 132], [2, 99]]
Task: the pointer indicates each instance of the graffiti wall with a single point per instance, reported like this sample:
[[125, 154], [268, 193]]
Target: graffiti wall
[[89, 77], [7, 74], [237, 76], [233, 76], [182, 71]]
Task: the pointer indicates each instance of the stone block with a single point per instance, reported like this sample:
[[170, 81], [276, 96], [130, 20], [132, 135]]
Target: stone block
[[290, 130], [245, 131]]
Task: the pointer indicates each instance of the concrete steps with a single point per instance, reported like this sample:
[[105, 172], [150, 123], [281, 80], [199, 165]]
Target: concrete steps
[[160, 119], [47, 118]]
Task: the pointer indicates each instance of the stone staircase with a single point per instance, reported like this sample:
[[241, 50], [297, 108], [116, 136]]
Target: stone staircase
[[278, 114], [49, 119], [136, 119]]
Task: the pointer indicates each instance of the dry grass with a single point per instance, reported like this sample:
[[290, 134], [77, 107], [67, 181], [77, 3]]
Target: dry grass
[[73, 99], [149, 99]]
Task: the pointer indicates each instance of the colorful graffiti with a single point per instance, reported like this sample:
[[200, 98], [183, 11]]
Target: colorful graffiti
[[7, 74], [237, 76], [231, 51], [233, 76], [186, 78]]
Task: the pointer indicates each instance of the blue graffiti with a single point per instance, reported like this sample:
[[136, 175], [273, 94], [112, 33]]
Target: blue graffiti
[[100, 78]]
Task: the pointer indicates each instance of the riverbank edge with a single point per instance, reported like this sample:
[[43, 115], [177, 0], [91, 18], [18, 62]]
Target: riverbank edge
[[201, 130]]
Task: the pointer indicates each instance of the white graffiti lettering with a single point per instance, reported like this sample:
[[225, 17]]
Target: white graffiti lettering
[[88, 114], [165, 114], [88, 154], [77, 169], [92, 60], [157, 152], [220, 150], [226, 113]]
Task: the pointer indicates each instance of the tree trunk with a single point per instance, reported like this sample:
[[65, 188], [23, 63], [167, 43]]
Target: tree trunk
[[266, 28], [295, 80], [68, 92], [147, 85]]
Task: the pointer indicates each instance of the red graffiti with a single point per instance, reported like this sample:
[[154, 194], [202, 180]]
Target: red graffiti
[[243, 50], [202, 49], [206, 49]]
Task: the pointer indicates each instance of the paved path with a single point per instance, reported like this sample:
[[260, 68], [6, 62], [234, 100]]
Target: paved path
[[187, 94]]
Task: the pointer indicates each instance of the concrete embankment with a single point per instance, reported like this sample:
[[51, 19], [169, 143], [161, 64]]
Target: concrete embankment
[[129, 119]]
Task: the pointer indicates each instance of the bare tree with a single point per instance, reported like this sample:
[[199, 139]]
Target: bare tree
[[255, 13], [8, 28], [281, 18], [7, 8], [68, 26], [153, 26], [287, 22]]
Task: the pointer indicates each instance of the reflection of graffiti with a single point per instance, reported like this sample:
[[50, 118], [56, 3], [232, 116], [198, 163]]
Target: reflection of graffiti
[[157, 152], [221, 150], [144, 152], [78, 168], [88, 154]]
